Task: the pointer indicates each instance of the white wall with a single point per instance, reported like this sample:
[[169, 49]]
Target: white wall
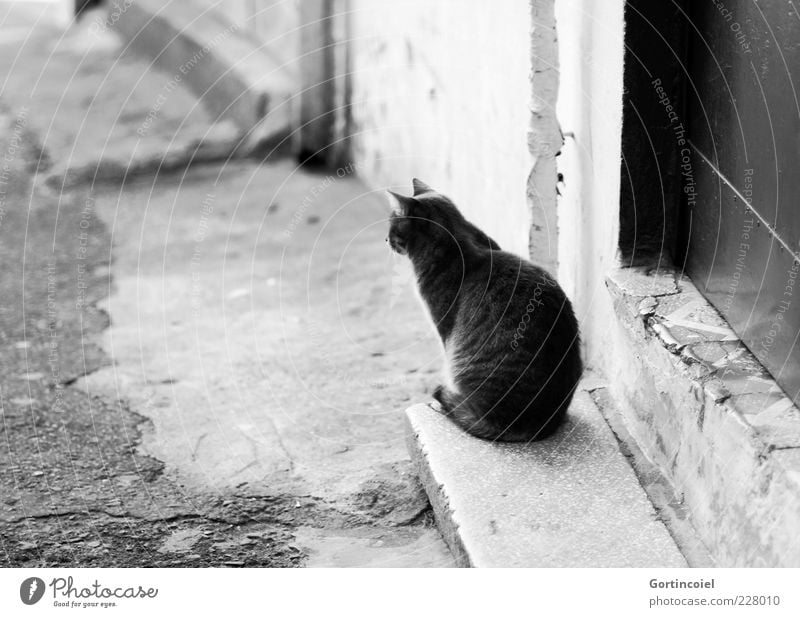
[[441, 91], [591, 46]]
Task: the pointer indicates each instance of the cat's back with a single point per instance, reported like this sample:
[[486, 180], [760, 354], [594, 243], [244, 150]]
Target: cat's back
[[507, 274], [509, 301]]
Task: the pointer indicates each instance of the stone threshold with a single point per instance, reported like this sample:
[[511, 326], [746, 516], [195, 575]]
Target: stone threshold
[[571, 500], [701, 408]]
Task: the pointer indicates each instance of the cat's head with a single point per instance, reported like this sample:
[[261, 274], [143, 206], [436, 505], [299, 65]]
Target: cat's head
[[429, 221]]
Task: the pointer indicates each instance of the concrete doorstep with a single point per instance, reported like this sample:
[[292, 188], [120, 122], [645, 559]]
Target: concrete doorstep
[[569, 501]]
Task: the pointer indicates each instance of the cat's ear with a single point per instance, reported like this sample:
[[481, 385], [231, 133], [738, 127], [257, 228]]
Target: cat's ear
[[420, 187], [401, 204]]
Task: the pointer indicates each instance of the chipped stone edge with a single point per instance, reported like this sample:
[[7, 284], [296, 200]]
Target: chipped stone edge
[[684, 423], [631, 306], [437, 493]]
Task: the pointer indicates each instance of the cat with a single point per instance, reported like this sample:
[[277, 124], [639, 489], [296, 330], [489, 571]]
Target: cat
[[511, 340]]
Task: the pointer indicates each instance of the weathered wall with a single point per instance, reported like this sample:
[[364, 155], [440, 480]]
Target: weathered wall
[[441, 91], [460, 93], [591, 46]]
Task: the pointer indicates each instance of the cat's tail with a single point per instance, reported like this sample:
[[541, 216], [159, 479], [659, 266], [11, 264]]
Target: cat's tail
[[468, 415]]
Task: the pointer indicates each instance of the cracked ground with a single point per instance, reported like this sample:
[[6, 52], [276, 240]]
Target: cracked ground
[[206, 367]]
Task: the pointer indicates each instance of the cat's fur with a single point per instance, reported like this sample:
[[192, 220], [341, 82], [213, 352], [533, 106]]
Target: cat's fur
[[510, 336]]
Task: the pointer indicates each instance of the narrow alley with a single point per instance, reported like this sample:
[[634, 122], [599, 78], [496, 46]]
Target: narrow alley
[[199, 371]]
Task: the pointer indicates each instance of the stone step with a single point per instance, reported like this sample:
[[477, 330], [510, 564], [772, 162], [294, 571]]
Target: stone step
[[569, 501]]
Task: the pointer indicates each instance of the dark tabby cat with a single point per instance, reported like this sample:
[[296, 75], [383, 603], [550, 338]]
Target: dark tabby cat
[[512, 358]]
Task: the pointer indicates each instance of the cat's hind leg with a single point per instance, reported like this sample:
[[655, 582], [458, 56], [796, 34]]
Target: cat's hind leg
[[438, 405], [466, 414]]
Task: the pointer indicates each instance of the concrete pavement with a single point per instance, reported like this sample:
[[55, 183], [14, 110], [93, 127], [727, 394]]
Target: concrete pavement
[[251, 332]]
